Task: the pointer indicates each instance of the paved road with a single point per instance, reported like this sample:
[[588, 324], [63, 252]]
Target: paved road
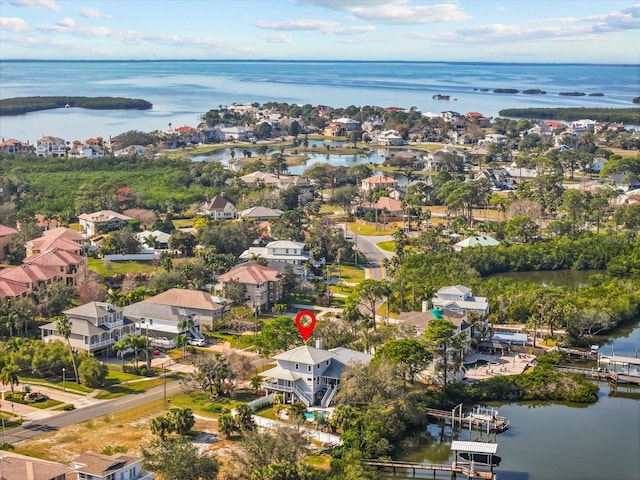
[[367, 246], [34, 428]]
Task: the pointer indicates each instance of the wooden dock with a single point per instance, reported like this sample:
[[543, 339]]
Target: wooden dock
[[468, 472], [600, 374], [493, 424]]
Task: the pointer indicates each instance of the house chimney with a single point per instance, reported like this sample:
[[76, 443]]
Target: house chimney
[[319, 344]]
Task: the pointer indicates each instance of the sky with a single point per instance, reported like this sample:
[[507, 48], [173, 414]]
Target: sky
[[581, 31]]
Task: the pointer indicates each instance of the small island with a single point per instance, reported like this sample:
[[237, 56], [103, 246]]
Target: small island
[[22, 105], [505, 90], [534, 91]]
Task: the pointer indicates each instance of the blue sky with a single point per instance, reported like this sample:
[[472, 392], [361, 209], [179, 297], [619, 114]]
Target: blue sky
[[463, 30]]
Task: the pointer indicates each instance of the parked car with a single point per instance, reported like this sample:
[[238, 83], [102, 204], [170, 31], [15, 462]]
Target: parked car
[[198, 342]]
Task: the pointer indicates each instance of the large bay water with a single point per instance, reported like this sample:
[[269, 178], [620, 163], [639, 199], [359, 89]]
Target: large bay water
[[183, 90]]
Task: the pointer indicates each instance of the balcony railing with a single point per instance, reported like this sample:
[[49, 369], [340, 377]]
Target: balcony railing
[[101, 343], [277, 386]]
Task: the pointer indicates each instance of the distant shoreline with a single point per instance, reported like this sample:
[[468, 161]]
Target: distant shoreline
[[22, 105], [272, 60]]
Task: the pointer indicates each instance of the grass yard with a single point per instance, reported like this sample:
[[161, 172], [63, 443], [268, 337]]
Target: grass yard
[[370, 229], [349, 273], [183, 222], [46, 404], [120, 389], [388, 246], [236, 341], [98, 264], [56, 383]]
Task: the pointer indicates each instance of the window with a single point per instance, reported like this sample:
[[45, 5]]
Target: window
[[297, 367], [271, 296], [308, 368], [270, 285]]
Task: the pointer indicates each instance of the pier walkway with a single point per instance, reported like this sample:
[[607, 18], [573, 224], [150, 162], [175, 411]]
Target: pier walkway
[[470, 473], [485, 420], [600, 374]]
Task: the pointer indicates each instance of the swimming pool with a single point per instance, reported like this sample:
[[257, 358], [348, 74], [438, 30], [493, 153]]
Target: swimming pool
[[481, 362], [311, 415]]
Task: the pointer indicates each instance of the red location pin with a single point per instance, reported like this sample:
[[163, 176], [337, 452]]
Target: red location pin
[[305, 328]]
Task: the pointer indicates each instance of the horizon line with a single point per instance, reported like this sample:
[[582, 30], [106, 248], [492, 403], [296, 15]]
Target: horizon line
[[483, 62]]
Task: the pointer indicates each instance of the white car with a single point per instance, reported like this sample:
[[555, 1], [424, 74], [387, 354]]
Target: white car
[[197, 342]]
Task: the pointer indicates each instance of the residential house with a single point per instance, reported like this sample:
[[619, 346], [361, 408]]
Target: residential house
[[204, 307], [280, 253], [14, 466], [476, 241], [95, 327], [49, 242], [493, 138], [460, 299], [435, 161], [341, 127], [102, 221], [160, 323], [131, 150], [310, 375], [189, 135], [417, 321], [120, 466], [264, 285], [282, 182], [378, 181], [260, 213], [219, 207], [11, 289], [46, 222], [498, 178], [31, 276], [14, 147], [6, 234], [236, 133], [478, 118], [450, 116], [51, 147], [70, 266], [385, 207], [160, 240], [389, 137]]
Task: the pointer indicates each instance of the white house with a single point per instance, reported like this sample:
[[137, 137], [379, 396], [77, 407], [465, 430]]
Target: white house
[[102, 221], [236, 133], [280, 253], [460, 299], [476, 241], [219, 207], [51, 147], [389, 137], [94, 466], [310, 375]]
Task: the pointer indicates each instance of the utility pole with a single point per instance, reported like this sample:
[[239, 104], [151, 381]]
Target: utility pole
[[164, 384]]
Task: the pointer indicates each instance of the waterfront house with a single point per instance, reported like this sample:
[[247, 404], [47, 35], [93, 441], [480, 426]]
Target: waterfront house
[[341, 127], [236, 133], [310, 375], [6, 234], [417, 322], [280, 253], [15, 147], [102, 221], [120, 466], [51, 147], [460, 299], [389, 137], [476, 241], [95, 327], [436, 161], [219, 207], [281, 182], [263, 284]]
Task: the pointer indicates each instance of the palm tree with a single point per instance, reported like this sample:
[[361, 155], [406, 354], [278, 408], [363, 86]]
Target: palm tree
[[9, 320], [186, 324], [63, 325], [9, 375], [120, 346], [182, 341], [136, 342]]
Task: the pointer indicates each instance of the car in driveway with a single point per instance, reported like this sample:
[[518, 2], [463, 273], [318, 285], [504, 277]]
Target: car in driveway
[[198, 342]]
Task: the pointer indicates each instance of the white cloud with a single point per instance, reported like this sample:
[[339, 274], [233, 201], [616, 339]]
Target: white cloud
[[13, 24], [394, 12], [89, 12], [298, 25], [353, 30], [47, 4], [276, 38], [67, 22]]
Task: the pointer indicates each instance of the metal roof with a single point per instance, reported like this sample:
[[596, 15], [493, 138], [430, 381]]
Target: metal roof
[[305, 354], [474, 447]]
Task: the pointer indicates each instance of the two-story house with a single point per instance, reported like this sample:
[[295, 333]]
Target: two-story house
[[14, 147], [378, 181], [69, 265], [102, 221], [460, 299], [31, 276], [263, 284], [280, 253], [94, 466], [219, 207], [310, 375], [95, 327], [51, 147]]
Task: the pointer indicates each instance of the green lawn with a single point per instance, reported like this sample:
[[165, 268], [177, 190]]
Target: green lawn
[[46, 404], [183, 222], [98, 264], [121, 389], [56, 383], [350, 273], [201, 403], [236, 341], [388, 246]]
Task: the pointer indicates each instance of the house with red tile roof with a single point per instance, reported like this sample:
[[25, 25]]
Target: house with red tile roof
[[11, 289], [43, 244], [14, 147], [263, 284], [51, 147], [69, 264], [31, 276], [378, 181], [386, 205], [6, 234]]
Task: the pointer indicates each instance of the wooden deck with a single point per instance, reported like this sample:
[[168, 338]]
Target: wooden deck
[[414, 467], [498, 424], [601, 374]]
